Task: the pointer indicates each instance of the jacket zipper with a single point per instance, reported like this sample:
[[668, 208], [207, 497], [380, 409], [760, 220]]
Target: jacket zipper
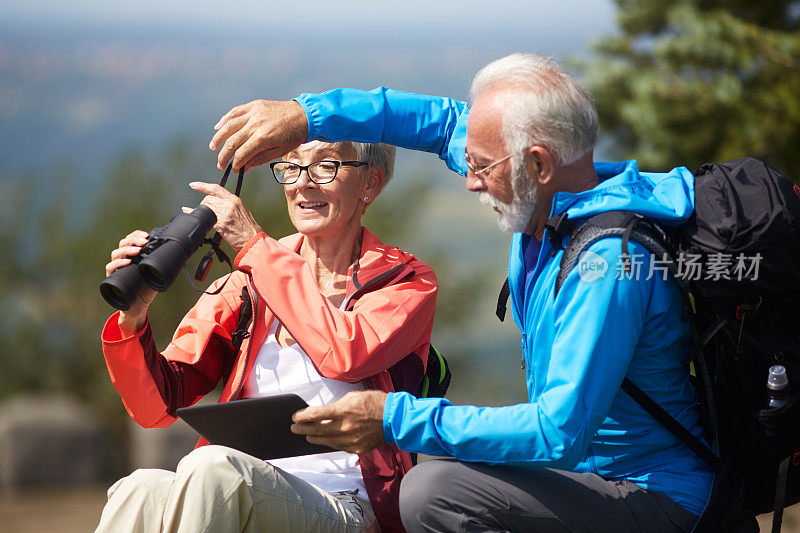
[[363, 289], [240, 388]]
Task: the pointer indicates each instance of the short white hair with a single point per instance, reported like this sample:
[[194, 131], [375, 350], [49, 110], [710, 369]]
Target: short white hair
[[545, 105], [378, 155]]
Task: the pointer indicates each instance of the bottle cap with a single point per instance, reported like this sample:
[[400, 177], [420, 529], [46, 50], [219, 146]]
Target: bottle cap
[[778, 380]]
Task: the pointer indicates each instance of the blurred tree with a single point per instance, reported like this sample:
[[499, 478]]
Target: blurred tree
[[693, 81]]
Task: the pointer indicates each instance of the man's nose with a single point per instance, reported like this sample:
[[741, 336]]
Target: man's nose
[[475, 183]]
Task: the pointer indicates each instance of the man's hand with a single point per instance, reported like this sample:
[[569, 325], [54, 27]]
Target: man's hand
[[234, 222], [259, 131], [353, 424]]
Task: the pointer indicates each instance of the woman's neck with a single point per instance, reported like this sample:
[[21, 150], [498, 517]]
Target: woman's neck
[[330, 259]]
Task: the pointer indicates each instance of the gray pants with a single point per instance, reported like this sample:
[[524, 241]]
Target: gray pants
[[447, 495]]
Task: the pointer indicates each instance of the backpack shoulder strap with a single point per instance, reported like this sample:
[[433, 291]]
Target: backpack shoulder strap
[[502, 301], [624, 224], [631, 226], [674, 427]]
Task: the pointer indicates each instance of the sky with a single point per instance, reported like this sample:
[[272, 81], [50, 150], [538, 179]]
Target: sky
[[542, 16], [108, 74]]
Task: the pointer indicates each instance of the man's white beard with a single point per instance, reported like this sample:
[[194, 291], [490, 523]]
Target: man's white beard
[[515, 216]]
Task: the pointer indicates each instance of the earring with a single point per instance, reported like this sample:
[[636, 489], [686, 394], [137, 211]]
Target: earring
[[366, 198]]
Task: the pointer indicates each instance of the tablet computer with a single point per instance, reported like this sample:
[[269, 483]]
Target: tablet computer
[[256, 426]]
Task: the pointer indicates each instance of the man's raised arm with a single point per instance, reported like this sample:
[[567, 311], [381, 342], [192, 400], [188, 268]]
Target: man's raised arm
[[262, 130]]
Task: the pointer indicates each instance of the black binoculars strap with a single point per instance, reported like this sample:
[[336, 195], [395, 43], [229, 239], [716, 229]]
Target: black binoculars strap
[[214, 242], [227, 173]]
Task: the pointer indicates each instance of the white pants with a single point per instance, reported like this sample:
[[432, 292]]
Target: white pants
[[219, 489]]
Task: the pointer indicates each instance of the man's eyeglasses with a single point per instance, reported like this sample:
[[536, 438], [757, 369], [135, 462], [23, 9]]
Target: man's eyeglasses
[[480, 170], [320, 172]]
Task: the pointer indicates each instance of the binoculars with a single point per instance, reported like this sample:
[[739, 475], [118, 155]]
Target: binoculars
[[160, 260]]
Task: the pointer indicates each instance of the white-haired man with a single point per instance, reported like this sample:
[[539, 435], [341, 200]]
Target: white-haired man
[[581, 455]]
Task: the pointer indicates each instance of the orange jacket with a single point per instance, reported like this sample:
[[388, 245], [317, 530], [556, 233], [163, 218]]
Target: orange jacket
[[381, 337]]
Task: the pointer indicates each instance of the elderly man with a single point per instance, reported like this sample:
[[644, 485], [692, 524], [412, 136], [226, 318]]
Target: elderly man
[[581, 455]]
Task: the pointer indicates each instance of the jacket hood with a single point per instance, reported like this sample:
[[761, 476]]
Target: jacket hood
[[665, 197]]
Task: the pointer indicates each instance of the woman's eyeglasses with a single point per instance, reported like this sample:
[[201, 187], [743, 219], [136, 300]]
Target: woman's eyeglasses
[[320, 172]]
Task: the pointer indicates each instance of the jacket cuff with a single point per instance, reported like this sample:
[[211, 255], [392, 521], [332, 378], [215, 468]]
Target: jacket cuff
[[112, 335], [246, 248], [389, 409], [313, 116]]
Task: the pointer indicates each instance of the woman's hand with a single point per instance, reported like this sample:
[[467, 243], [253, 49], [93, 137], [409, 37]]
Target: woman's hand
[[234, 222], [135, 317]]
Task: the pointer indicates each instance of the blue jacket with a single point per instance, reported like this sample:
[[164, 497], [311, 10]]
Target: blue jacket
[[577, 345]]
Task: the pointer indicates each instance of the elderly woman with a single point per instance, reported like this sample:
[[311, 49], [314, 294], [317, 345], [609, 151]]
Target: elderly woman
[[334, 310]]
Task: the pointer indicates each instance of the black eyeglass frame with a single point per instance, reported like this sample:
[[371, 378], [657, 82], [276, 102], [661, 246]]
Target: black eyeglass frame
[[301, 168]]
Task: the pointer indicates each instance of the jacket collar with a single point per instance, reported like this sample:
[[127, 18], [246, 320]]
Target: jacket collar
[[665, 197], [376, 258]]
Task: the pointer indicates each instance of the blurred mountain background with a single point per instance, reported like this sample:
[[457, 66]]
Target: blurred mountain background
[[106, 117], [106, 110]]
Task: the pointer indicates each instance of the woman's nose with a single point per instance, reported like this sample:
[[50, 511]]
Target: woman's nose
[[304, 182]]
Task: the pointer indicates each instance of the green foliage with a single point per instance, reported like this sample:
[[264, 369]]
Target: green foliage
[[688, 82]]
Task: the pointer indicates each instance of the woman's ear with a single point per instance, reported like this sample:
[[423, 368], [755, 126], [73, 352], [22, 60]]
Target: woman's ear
[[374, 183]]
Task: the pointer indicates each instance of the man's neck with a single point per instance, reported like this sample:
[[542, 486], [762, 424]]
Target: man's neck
[[576, 177]]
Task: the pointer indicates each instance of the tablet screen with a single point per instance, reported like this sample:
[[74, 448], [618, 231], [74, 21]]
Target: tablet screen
[[256, 426]]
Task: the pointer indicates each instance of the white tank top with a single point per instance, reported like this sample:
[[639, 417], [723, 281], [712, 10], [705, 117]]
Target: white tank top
[[279, 370]]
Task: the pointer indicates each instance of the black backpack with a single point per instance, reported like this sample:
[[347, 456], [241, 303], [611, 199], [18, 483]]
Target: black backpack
[[743, 309], [437, 375]]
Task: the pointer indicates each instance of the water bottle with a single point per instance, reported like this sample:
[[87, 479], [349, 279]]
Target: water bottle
[[777, 386]]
